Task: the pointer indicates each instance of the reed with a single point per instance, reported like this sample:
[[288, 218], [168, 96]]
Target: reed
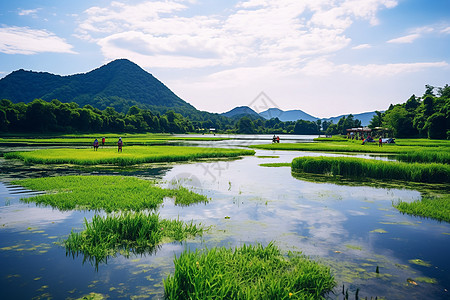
[[130, 155], [247, 272], [126, 233], [366, 168], [441, 156], [437, 208], [109, 193]]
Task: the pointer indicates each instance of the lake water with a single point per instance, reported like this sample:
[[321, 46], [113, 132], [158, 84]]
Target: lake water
[[353, 229]]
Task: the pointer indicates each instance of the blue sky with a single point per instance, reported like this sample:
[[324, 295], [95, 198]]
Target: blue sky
[[325, 57]]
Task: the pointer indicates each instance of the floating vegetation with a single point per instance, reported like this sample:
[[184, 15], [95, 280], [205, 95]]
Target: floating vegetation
[[354, 247], [420, 262], [360, 167], [126, 233], [379, 230], [267, 156], [276, 165], [130, 155], [411, 281], [109, 193], [93, 296], [426, 280], [247, 272], [437, 208]]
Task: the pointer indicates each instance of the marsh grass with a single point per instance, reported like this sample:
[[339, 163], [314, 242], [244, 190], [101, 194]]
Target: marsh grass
[[426, 156], [126, 233], [366, 168], [275, 165], [109, 193], [437, 208], [130, 155], [247, 272]]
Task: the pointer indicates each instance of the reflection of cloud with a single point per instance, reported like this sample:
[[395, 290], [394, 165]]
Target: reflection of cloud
[[17, 218]]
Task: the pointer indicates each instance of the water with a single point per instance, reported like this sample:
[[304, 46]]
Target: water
[[339, 225]]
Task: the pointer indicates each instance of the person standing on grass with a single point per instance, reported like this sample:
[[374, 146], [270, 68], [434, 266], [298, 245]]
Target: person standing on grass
[[103, 141], [95, 145], [119, 145], [380, 142]]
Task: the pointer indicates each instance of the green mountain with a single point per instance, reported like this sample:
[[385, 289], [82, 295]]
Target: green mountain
[[119, 84]]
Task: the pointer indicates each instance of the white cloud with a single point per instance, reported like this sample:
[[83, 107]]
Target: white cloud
[[27, 12], [407, 39], [24, 40], [254, 32], [446, 30], [362, 46], [379, 70]]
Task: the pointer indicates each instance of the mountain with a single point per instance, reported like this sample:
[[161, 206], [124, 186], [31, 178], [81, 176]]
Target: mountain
[[119, 84], [241, 111], [365, 118], [290, 115]]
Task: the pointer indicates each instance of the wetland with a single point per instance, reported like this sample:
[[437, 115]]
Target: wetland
[[349, 227]]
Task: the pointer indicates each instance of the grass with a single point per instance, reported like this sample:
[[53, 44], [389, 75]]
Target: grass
[[437, 208], [275, 165], [109, 193], [129, 156], [407, 150], [111, 139], [247, 272], [366, 168], [126, 233]]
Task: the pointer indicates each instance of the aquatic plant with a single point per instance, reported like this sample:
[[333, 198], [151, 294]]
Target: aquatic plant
[[130, 155], [437, 208], [109, 193], [359, 167], [275, 165], [247, 272], [126, 233], [426, 156]]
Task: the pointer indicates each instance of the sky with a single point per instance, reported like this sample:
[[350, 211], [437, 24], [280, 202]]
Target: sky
[[325, 57]]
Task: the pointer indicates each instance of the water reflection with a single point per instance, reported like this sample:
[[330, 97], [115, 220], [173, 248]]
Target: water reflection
[[334, 221]]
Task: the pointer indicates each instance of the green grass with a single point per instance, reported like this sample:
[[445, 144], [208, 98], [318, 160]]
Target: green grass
[[126, 233], [129, 156], [247, 272], [437, 208], [441, 156], [111, 139], [408, 150], [367, 168], [109, 193], [275, 165]]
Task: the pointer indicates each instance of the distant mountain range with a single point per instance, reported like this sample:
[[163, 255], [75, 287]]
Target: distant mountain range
[[292, 115], [122, 84]]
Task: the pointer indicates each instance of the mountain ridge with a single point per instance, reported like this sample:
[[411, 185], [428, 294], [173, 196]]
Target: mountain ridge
[[117, 81]]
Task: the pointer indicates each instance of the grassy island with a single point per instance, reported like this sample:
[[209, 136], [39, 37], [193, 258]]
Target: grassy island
[[126, 233], [129, 156], [109, 193], [368, 168], [247, 272]]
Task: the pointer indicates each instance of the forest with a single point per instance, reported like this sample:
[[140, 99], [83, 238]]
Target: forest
[[426, 116]]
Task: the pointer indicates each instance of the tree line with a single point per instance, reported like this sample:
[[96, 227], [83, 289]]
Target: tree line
[[427, 116]]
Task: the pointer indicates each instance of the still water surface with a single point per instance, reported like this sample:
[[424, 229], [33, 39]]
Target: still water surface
[[353, 229]]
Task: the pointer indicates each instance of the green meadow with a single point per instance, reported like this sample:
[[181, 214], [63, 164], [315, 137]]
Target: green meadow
[[130, 155], [108, 193], [126, 233], [247, 272]]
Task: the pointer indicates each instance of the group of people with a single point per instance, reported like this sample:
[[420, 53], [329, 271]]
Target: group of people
[[369, 139], [119, 144], [275, 139]]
